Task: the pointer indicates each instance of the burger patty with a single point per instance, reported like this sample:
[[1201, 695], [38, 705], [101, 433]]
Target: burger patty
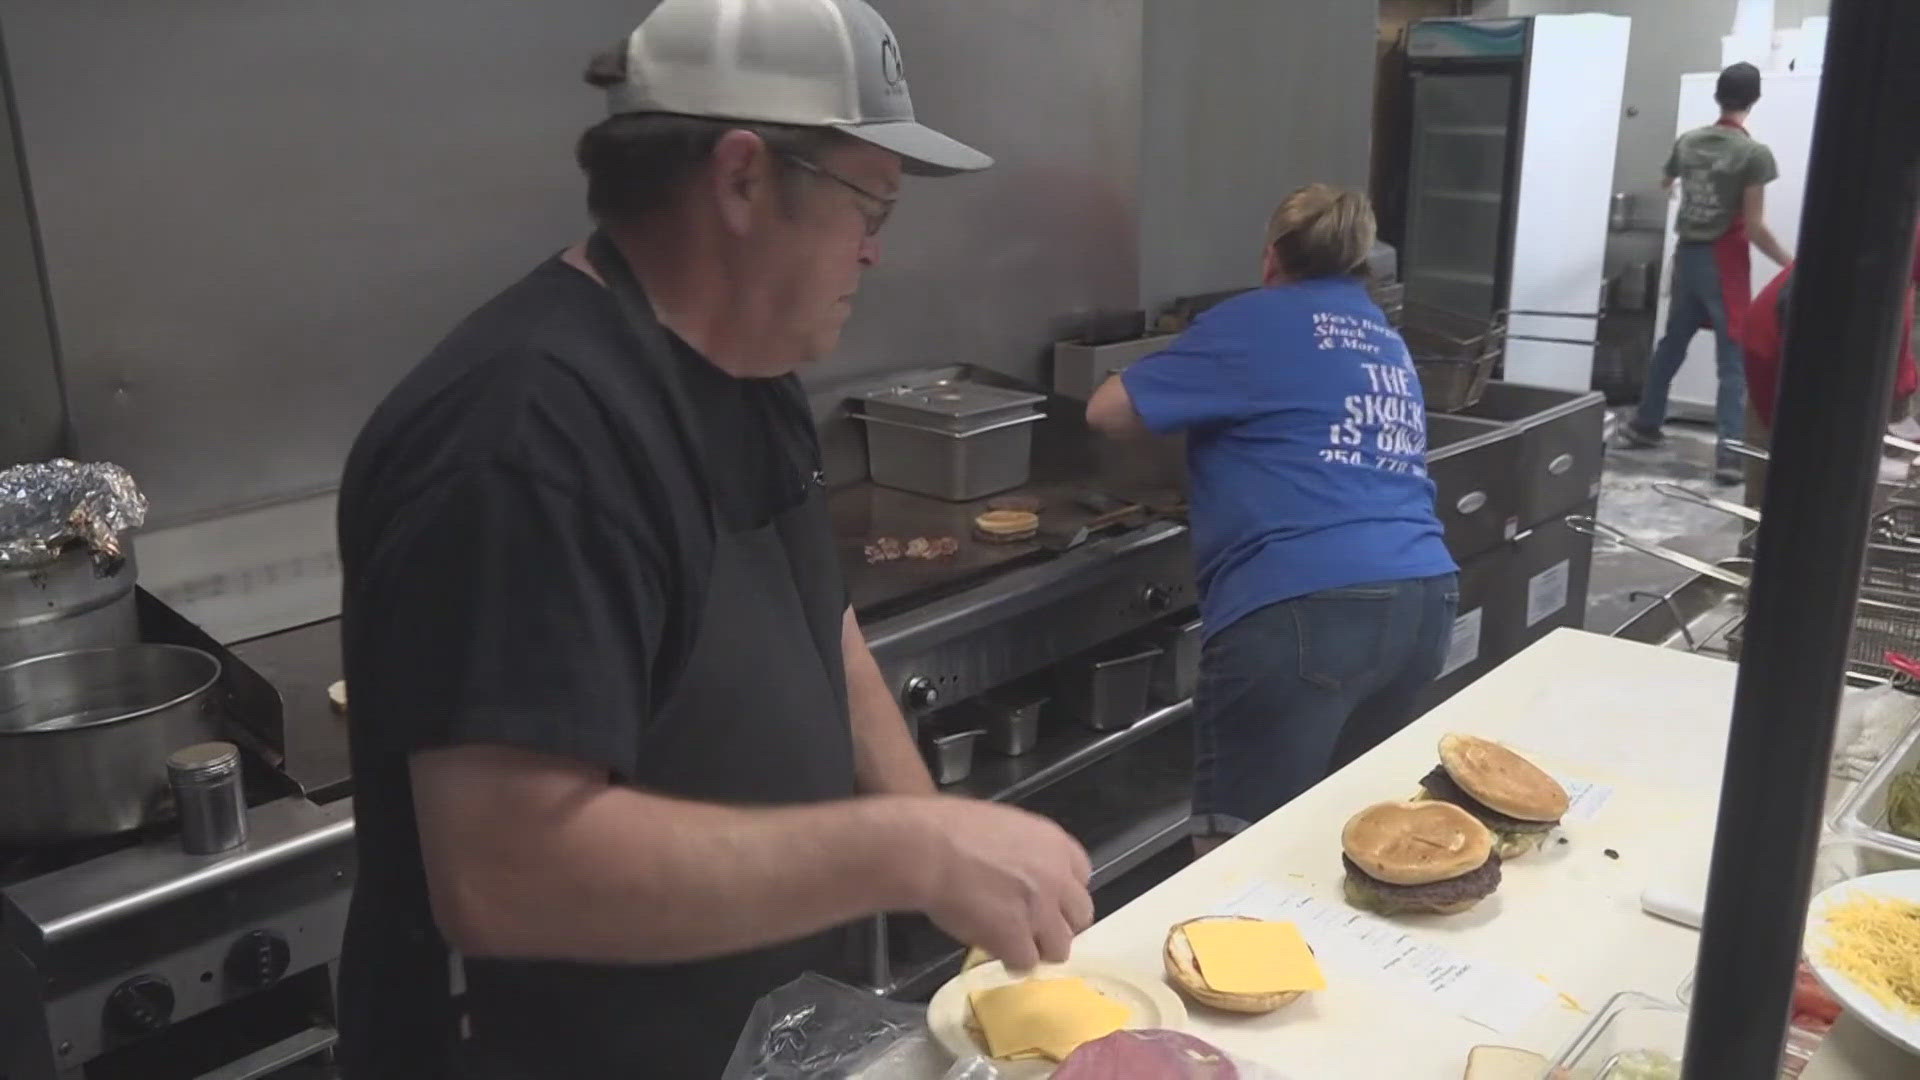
[[1475, 884], [1441, 785]]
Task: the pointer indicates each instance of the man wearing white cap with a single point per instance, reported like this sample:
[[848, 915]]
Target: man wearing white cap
[[618, 743]]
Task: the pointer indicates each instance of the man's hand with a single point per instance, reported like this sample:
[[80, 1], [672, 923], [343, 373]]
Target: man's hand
[[1010, 882]]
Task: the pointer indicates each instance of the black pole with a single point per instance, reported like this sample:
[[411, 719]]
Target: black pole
[[1855, 255]]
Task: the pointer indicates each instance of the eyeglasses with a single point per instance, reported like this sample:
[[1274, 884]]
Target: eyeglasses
[[875, 220]]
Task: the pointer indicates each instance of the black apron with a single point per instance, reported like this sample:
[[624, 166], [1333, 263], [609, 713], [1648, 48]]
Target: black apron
[[758, 714]]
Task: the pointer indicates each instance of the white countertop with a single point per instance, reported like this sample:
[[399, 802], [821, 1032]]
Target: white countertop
[[1650, 722]]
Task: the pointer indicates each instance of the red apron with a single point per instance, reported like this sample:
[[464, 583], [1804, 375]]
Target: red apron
[[1759, 334], [1733, 257]]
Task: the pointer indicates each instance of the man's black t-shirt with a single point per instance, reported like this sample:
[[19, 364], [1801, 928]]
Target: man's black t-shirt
[[525, 538], [523, 460]]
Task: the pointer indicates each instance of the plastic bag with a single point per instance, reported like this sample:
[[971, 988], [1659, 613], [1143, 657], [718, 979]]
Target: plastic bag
[[1870, 722], [1150, 1054], [1157, 1055], [814, 1028]]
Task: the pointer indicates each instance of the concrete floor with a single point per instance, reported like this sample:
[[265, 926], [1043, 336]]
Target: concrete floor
[[1629, 503]]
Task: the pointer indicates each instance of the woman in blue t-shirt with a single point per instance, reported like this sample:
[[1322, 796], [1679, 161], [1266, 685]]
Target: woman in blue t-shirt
[[1326, 591]]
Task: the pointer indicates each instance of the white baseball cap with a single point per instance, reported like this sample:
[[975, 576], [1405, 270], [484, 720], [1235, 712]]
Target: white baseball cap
[[814, 63]]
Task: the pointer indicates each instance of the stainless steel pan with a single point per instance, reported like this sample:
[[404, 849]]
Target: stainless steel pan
[[84, 737]]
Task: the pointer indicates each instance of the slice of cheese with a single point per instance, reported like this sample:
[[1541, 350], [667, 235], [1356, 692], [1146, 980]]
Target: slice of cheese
[[1246, 956], [1052, 1016]]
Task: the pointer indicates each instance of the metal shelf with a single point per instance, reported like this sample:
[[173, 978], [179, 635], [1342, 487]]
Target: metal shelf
[[1058, 756]]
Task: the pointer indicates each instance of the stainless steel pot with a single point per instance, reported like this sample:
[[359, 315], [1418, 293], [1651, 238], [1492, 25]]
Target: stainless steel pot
[[67, 604], [84, 737]]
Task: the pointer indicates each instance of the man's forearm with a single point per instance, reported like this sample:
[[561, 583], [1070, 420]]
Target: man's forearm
[[624, 876], [885, 759], [1769, 245]]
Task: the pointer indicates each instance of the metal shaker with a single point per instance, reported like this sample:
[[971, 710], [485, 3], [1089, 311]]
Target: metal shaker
[[205, 779]]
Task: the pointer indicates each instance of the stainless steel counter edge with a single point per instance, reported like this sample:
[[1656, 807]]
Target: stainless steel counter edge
[[1097, 748], [66, 904], [1033, 586]]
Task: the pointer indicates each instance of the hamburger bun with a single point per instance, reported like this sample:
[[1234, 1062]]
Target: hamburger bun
[[1502, 780], [1006, 526], [1416, 843], [1512, 837], [1184, 969]]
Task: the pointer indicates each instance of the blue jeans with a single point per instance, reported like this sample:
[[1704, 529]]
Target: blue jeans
[[1697, 301], [1297, 689]]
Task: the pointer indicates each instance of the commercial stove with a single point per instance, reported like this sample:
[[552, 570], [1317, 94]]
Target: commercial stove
[[948, 629], [1021, 619], [127, 957]]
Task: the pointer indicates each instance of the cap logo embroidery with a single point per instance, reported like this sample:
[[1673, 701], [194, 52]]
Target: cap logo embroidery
[[890, 66]]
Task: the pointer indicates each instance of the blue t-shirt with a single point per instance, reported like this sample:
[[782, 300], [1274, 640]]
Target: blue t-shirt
[[1306, 445]]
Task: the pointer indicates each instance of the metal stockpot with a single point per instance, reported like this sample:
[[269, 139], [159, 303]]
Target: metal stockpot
[[84, 737], [67, 604]]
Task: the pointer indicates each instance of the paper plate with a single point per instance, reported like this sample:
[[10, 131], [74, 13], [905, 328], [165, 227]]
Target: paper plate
[[1152, 1003], [1902, 1028]]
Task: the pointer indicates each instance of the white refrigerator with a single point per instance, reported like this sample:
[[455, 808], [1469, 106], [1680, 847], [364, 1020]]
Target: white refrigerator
[[1515, 125], [1783, 119]]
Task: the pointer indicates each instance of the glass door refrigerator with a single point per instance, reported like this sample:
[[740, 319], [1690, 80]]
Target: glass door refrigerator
[[1513, 128]]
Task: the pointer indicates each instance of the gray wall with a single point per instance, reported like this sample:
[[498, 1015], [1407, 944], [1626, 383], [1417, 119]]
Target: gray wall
[[1246, 100], [257, 215], [32, 417], [989, 269]]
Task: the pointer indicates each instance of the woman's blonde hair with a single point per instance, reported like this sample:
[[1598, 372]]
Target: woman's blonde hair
[[1321, 231]]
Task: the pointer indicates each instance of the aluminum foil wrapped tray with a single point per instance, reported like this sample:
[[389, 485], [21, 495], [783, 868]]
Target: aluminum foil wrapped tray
[[47, 507]]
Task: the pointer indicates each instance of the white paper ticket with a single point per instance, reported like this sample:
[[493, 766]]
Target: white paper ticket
[[1353, 944], [1584, 800]]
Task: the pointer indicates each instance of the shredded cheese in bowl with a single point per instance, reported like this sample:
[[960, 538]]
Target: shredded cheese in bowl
[[1876, 943]]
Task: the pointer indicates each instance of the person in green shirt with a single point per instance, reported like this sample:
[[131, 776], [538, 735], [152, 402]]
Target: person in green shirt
[[1721, 173]]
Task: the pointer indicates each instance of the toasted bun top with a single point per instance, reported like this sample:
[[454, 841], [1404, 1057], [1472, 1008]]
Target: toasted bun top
[[1501, 779], [1416, 843], [1006, 521]]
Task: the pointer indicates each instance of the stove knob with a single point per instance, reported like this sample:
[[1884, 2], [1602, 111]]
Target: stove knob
[[140, 1006], [1158, 598], [257, 960], [920, 694]]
